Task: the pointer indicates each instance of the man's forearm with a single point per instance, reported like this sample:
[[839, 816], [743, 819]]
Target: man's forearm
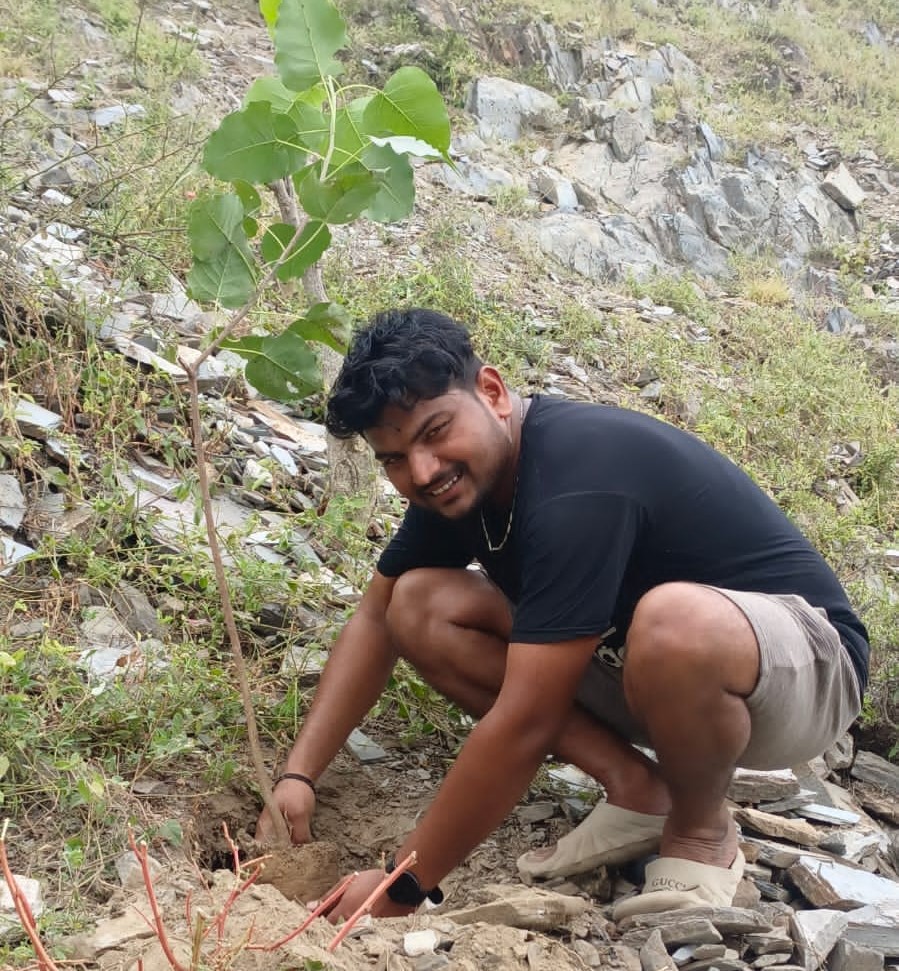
[[354, 677], [491, 774]]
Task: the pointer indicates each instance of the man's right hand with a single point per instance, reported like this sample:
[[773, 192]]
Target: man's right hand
[[296, 801]]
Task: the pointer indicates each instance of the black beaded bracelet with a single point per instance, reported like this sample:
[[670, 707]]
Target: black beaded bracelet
[[299, 777]]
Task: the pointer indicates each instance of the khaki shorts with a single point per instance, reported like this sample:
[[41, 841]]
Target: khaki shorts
[[807, 693]]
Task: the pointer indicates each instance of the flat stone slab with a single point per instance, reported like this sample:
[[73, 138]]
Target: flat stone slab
[[10, 927], [531, 909], [749, 785], [363, 748], [875, 771], [12, 502], [829, 814], [816, 932], [726, 920], [35, 421], [688, 931], [847, 956], [11, 552], [879, 803], [875, 927], [781, 827], [826, 883], [108, 934]]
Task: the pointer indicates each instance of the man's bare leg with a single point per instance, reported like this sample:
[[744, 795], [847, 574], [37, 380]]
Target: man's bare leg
[[692, 659], [453, 627]]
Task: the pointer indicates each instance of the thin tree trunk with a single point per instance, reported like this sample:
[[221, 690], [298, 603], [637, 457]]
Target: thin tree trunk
[[351, 466]]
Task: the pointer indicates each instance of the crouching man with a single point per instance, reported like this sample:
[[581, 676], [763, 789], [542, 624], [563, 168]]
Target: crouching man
[[636, 587]]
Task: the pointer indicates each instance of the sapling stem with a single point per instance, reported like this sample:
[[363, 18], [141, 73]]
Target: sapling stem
[[23, 909]]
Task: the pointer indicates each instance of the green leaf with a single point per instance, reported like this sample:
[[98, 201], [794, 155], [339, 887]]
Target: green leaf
[[258, 145], [223, 270], [307, 35], [314, 240], [410, 104], [350, 140], [272, 90], [327, 323], [4, 765], [172, 832], [269, 10], [284, 367], [396, 184], [248, 195], [339, 200], [280, 97], [407, 145]]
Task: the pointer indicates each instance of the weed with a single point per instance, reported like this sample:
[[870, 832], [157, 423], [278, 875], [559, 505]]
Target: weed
[[769, 290], [681, 293], [512, 200]]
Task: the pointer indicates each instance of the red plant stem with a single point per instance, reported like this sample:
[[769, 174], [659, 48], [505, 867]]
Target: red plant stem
[[369, 901], [141, 853], [44, 961], [332, 898], [229, 903]]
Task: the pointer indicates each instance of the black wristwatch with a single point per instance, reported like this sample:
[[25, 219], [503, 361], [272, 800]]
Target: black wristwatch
[[406, 889]]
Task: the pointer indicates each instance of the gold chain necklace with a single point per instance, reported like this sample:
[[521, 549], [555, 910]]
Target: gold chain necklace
[[502, 542]]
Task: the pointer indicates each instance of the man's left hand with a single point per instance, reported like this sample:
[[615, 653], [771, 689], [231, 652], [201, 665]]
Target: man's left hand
[[356, 894]]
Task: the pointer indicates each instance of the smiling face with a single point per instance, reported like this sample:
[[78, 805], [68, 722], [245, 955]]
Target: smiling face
[[450, 453]]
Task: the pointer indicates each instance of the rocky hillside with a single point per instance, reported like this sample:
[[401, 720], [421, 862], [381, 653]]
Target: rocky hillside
[[688, 208]]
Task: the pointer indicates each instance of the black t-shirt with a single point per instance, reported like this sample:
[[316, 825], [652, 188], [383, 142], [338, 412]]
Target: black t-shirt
[[610, 503]]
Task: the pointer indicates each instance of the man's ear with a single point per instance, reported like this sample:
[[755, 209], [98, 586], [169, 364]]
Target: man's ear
[[490, 386]]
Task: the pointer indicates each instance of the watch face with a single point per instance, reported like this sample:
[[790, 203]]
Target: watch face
[[406, 890]]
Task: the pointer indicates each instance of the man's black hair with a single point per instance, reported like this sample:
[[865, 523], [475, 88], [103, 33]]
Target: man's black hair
[[399, 358]]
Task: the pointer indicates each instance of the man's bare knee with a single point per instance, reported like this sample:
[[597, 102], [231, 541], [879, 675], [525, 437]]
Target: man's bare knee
[[415, 605], [427, 604], [688, 630]]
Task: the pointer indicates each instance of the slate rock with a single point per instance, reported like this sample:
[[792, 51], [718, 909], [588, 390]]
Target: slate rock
[[726, 920], [781, 827], [505, 109], [417, 943], [838, 320], [12, 503], [609, 247], [58, 515], [34, 421], [876, 926], [626, 135], [107, 646], [116, 114], [11, 553], [535, 812], [134, 609], [752, 786], [654, 955], [826, 883], [816, 932], [474, 179], [840, 186], [774, 942], [10, 926], [556, 189], [363, 748], [129, 871], [847, 956], [875, 771], [715, 146], [587, 952], [531, 909]]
